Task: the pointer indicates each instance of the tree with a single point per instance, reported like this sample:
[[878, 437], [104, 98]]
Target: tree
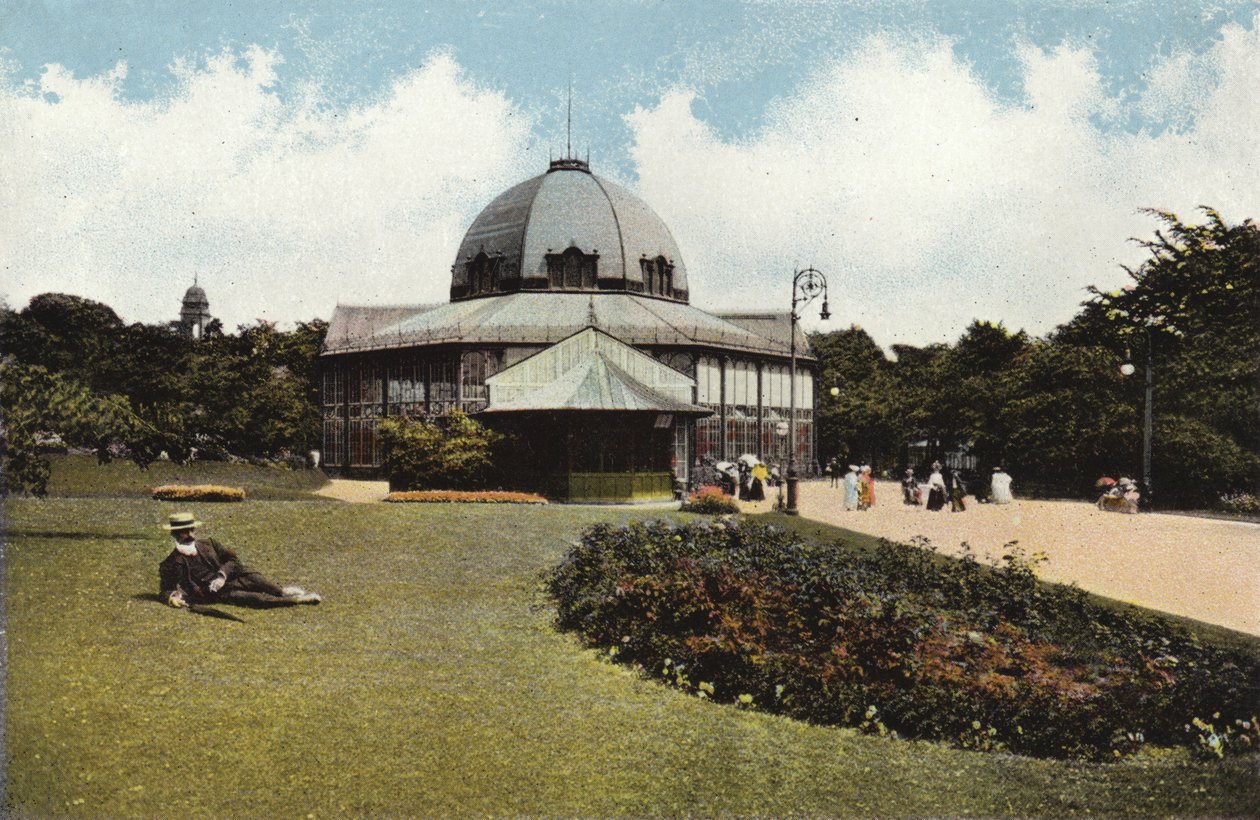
[[38, 404], [67, 334], [857, 424], [1195, 305], [973, 389], [456, 454]]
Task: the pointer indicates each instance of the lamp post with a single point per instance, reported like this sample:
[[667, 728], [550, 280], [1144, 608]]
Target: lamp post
[[806, 285], [1128, 369]]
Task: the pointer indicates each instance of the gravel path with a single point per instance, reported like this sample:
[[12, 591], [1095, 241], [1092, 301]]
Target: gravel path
[[358, 492], [1208, 569]]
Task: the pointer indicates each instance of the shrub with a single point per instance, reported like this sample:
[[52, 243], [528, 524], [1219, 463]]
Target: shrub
[[465, 497], [423, 455], [710, 500], [896, 640], [1241, 503], [198, 492]]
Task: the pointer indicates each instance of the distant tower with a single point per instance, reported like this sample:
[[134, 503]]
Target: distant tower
[[194, 315]]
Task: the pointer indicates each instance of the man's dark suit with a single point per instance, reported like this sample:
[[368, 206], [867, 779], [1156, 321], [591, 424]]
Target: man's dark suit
[[192, 574]]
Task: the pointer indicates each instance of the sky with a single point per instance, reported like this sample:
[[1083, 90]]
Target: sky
[[938, 162]]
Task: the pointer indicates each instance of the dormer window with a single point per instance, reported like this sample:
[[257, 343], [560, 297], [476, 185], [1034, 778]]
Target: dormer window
[[483, 273], [572, 270], [658, 276]]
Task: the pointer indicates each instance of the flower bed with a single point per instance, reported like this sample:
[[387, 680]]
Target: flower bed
[[901, 641], [710, 500], [198, 492], [465, 497], [1241, 503]]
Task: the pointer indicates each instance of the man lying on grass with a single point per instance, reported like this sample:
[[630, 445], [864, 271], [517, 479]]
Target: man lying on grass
[[201, 570]]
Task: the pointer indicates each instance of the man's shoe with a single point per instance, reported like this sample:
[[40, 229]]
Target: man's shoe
[[306, 598]]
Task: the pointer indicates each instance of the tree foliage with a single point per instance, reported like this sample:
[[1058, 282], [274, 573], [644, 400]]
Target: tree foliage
[[1056, 411], [40, 406], [147, 389]]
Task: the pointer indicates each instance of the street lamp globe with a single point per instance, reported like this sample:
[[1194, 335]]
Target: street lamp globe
[[835, 391], [1127, 369]]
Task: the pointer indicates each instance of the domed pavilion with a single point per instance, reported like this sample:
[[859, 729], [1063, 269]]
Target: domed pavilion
[[569, 326]]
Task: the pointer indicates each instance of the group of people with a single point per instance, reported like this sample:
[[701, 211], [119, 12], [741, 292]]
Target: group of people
[[747, 478], [859, 487], [753, 480], [943, 486], [1120, 496]]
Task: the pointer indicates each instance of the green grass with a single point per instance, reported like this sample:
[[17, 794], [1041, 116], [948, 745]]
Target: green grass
[[431, 682], [82, 477]]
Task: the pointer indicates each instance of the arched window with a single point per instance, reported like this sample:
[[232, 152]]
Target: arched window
[[572, 270]]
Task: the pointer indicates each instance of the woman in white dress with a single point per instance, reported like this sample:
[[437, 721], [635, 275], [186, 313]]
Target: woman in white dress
[[1000, 487], [936, 488]]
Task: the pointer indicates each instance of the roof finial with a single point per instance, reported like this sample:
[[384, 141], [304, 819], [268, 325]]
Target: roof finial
[[590, 312], [568, 126]]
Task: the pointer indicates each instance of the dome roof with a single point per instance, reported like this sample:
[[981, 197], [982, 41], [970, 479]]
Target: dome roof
[[196, 296], [568, 230]]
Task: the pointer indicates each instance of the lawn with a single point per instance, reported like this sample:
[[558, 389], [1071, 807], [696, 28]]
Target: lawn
[[81, 477], [431, 682]]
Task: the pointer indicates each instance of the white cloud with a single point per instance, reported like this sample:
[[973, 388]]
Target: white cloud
[[895, 170], [929, 203], [281, 208]]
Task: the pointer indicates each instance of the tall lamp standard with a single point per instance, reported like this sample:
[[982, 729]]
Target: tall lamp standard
[[1128, 369], [806, 285]]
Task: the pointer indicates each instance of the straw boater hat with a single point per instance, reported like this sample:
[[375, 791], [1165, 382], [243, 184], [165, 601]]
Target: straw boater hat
[[181, 521]]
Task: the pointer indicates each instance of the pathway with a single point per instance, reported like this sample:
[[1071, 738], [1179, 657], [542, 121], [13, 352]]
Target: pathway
[[1208, 569], [358, 492]]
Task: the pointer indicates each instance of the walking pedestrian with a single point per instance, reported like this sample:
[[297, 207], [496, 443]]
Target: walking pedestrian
[[866, 488], [851, 488], [910, 488], [936, 488]]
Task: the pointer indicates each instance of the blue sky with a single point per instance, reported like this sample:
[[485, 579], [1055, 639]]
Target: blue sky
[[939, 161]]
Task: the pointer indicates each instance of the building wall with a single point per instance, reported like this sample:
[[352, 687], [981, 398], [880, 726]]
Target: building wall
[[749, 396]]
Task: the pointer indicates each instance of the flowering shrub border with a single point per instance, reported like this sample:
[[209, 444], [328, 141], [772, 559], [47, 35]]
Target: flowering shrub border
[[710, 500], [1241, 503], [901, 642], [465, 497], [198, 492]]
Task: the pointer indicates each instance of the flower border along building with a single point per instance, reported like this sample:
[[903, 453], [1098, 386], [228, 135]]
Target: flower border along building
[[569, 327]]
